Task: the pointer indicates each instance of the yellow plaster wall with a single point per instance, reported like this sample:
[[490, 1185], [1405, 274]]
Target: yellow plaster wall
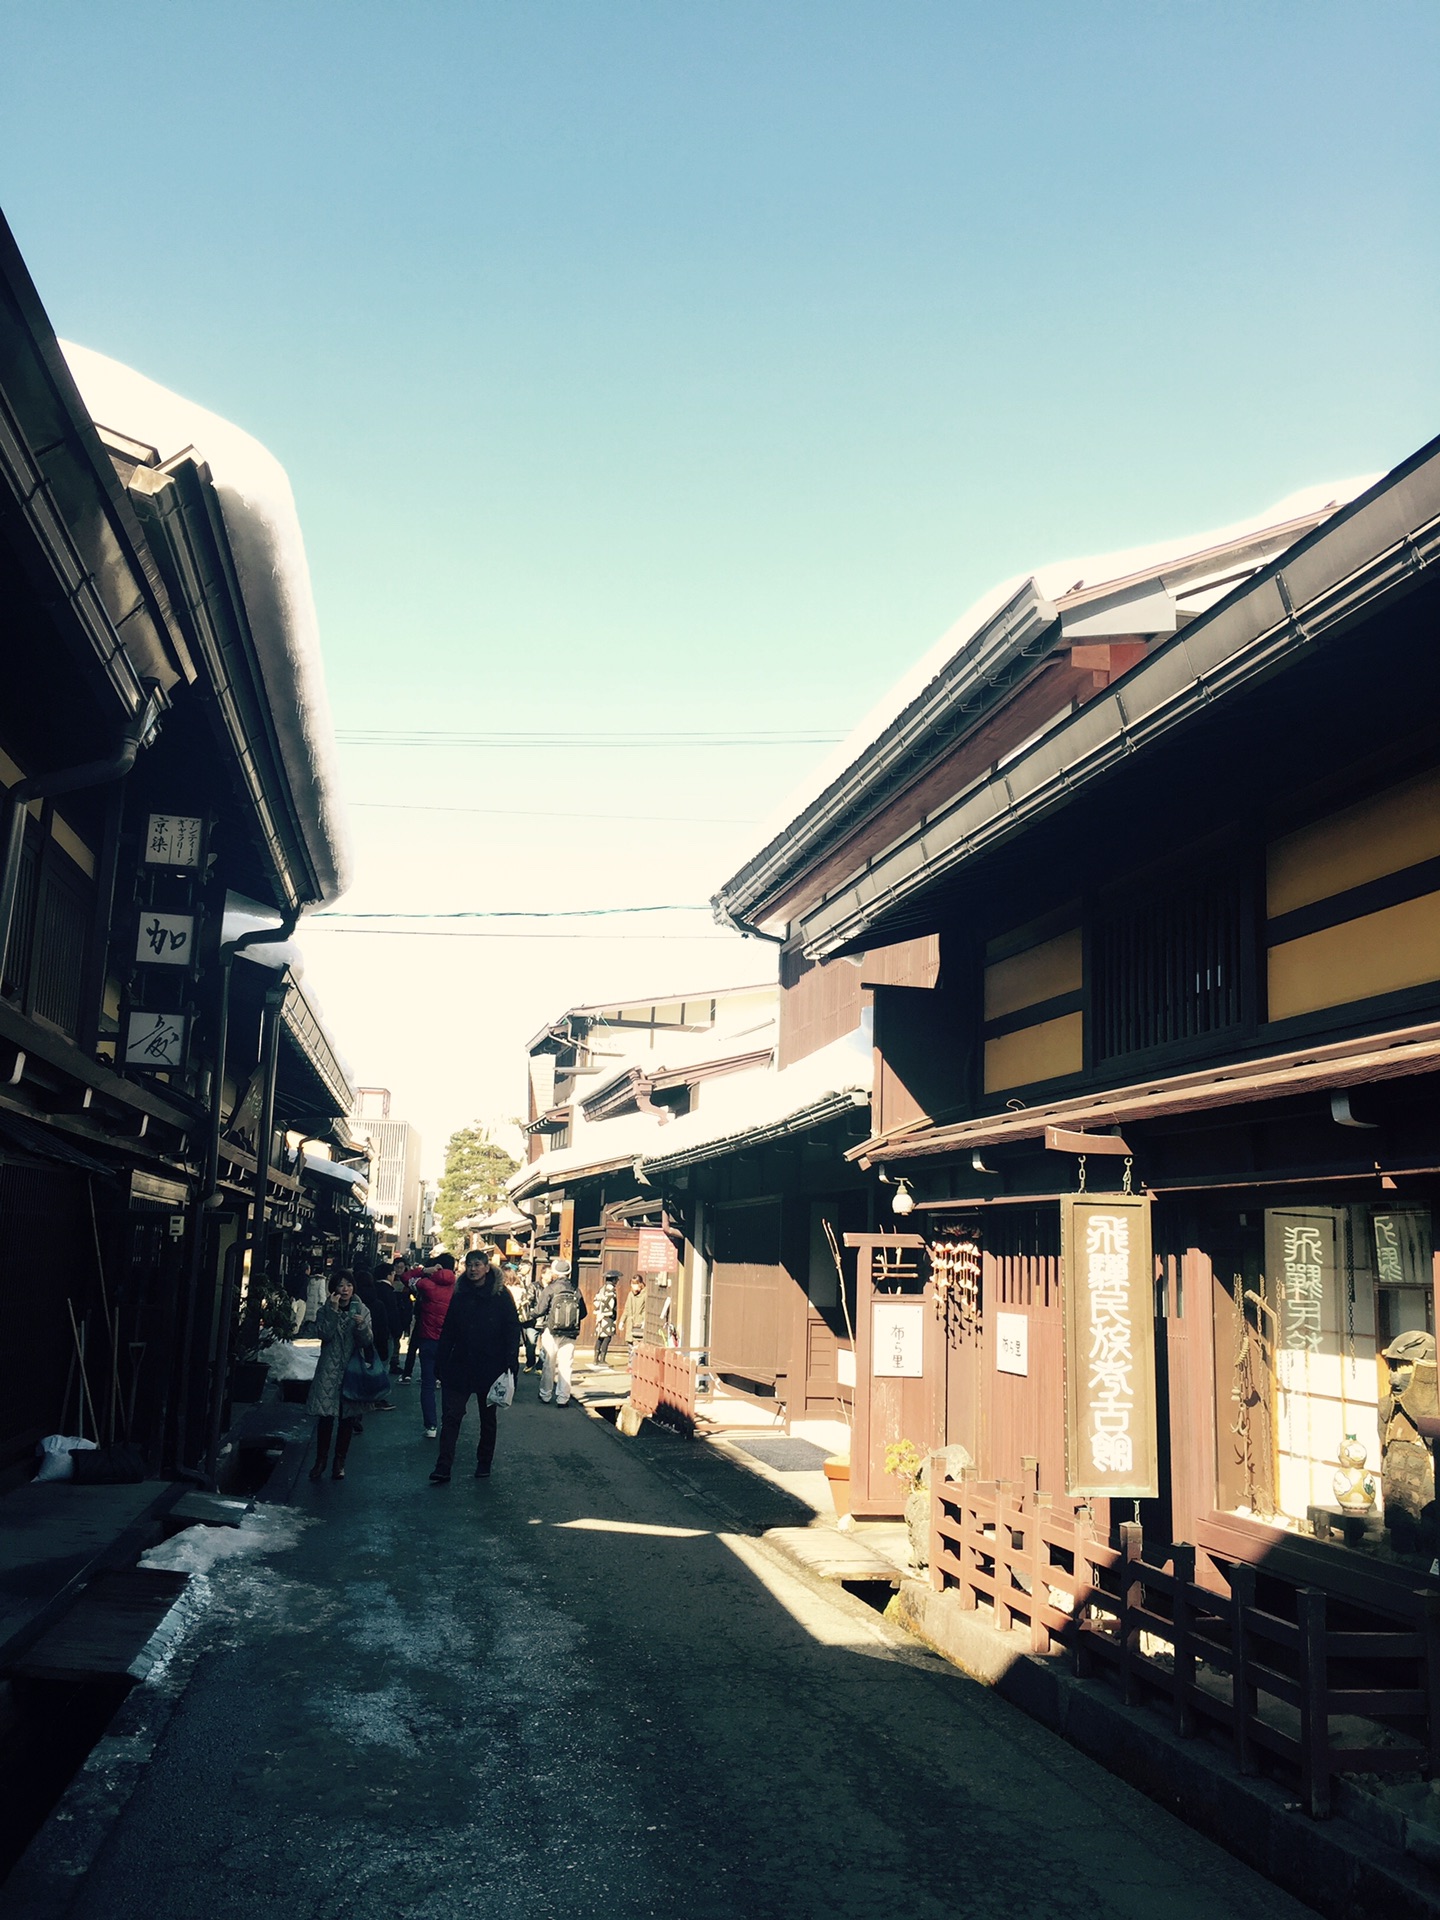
[[1378, 953], [1390, 830], [1042, 1052], [1055, 966]]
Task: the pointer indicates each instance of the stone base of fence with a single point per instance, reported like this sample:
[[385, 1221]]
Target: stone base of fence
[[1335, 1866]]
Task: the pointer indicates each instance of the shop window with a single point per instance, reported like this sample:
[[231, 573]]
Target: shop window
[[1169, 970]]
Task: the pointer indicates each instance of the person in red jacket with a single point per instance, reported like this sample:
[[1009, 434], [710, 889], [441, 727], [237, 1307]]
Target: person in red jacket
[[434, 1291]]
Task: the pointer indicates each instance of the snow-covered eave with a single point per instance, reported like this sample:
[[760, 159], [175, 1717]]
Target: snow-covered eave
[[1001, 638], [262, 530]]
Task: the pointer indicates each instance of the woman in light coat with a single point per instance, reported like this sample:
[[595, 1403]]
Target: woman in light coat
[[345, 1327]]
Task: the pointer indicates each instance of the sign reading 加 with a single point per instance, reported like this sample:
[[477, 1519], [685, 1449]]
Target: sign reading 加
[[1108, 1287]]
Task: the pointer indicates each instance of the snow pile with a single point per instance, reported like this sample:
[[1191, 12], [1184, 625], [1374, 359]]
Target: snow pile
[[258, 509], [265, 1529], [286, 1361]]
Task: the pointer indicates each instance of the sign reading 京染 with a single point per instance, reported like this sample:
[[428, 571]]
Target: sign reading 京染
[[897, 1329], [1012, 1343], [1108, 1287], [173, 840]]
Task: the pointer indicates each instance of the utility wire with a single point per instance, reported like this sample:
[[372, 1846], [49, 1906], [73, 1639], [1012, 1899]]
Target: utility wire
[[739, 737], [531, 813], [502, 913], [477, 933]]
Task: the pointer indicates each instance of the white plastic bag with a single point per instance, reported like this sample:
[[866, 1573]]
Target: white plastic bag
[[502, 1394], [55, 1451]]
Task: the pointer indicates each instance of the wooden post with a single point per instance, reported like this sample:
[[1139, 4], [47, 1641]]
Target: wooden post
[[968, 1526], [1182, 1565], [937, 1514], [1431, 1617], [1004, 1617], [1038, 1513], [1242, 1693], [1132, 1539], [1079, 1652], [1314, 1704]]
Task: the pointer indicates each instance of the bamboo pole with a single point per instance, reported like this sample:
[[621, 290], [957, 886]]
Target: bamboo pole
[[84, 1375]]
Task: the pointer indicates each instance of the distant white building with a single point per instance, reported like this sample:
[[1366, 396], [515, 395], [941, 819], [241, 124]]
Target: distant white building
[[397, 1193]]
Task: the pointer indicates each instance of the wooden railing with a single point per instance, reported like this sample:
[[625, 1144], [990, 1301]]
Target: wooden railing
[[662, 1384], [1271, 1662]]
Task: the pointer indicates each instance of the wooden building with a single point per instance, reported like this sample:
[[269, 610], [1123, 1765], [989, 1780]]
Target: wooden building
[[1174, 831], [165, 825]]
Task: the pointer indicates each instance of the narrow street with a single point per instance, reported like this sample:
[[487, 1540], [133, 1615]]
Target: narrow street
[[570, 1690]]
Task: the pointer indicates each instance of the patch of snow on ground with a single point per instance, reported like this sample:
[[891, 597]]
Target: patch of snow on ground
[[267, 1529], [286, 1361]]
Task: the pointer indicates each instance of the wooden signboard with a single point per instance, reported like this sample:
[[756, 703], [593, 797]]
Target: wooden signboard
[[1107, 1283]]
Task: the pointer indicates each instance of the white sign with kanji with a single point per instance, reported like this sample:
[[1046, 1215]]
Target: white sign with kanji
[[1012, 1343], [165, 939], [173, 840], [897, 1330], [155, 1040]]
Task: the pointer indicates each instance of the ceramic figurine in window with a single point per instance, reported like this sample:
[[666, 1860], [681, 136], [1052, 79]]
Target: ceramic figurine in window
[[1354, 1484], [1407, 1472]]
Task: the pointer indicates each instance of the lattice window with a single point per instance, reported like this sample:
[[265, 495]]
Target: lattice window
[[1169, 969]]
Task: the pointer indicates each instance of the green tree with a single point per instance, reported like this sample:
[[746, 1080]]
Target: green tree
[[476, 1169]]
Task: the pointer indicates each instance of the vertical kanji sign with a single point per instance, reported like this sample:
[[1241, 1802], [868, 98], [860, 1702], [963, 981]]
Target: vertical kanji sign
[[1109, 1299]]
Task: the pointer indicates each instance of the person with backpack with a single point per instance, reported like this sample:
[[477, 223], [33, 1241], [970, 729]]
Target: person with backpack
[[559, 1309]]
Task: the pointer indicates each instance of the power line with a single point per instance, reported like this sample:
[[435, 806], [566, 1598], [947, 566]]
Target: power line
[[531, 813], [477, 933], [503, 913], [739, 737]]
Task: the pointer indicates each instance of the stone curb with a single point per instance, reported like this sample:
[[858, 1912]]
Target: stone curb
[[1331, 1865]]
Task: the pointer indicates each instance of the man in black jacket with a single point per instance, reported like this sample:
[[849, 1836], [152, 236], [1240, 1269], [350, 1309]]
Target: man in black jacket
[[480, 1341]]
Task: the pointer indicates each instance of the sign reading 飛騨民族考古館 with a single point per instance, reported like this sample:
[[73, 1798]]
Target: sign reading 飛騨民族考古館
[[1107, 1277]]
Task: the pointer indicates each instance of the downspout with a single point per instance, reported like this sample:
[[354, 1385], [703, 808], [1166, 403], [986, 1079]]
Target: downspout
[[255, 1240], [210, 1199], [138, 733], [726, 917]]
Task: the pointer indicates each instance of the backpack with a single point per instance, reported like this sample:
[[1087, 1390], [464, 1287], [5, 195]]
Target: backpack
[[565, 1312]]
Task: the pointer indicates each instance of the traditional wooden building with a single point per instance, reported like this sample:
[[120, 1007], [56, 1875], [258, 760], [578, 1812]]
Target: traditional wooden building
[[167, 818], [1174, 830]]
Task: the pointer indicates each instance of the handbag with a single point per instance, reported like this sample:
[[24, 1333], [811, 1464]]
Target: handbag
[[502, 1392], [366, 1378]]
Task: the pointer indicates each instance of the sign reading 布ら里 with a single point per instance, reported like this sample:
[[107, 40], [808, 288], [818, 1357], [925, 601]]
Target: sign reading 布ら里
[[1107, 1279]]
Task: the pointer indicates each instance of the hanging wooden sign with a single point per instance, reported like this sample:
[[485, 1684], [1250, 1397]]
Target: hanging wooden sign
[[1107, 1281]]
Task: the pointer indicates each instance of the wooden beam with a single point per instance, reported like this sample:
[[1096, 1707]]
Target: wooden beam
[[1065, 1140]]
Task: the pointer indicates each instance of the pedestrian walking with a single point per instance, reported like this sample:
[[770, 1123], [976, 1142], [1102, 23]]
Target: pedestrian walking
[[632, 1318], [526, 1294], [559, 1309], [433, 1293], [345, 1329], [480, 1341], [607, 1311], [414, 1273], [401, 1307]]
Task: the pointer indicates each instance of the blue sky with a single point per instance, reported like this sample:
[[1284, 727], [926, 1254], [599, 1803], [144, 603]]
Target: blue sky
[[693, 366]]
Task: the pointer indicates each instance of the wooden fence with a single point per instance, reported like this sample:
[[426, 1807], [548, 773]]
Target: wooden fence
[[662, 1385], [1271, 1662]]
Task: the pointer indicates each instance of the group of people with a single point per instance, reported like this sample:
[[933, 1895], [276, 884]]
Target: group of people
[[467, 1330]]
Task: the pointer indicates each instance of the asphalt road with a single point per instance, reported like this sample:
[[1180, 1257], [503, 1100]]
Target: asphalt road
[[575, 1689]]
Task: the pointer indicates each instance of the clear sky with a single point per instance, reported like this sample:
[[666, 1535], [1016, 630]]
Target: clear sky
[[663, 368]]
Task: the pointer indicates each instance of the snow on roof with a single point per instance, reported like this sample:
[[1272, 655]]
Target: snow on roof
[[733, 1107], [749, 1103], [1053, 581], [263, 527]]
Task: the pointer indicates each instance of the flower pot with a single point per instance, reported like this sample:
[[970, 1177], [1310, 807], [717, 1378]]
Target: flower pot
[[837, 1472]]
